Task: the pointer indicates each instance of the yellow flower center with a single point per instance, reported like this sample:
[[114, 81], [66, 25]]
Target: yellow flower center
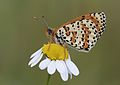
[[55, 51]]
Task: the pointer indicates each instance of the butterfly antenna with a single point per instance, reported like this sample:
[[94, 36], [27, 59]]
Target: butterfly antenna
[[45, 22], [43, 19]]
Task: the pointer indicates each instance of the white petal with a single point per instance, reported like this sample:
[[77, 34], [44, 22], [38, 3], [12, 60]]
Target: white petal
[[34, 59], [51, 67], [72, 67], [60, 65], [69, 57], [69, 72], [44, 64], [62, 69], [70, 75], [64, 76], [37, 60], [37, 52], [68, 68]]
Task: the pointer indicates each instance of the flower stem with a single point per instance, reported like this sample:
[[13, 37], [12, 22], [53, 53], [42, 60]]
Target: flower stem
[[49, 76]]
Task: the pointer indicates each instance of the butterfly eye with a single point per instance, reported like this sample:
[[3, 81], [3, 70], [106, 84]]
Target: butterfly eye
[[49, 31]]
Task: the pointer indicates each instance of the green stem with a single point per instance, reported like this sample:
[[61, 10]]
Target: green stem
[[49, 76]]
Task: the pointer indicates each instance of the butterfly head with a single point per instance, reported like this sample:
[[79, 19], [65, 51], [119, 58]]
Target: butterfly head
[[49, 32]]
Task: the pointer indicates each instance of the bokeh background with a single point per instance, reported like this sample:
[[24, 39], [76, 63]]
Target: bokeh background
[[20, 36]]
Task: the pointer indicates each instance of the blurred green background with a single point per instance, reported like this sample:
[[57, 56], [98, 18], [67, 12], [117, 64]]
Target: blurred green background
[[20, 36]]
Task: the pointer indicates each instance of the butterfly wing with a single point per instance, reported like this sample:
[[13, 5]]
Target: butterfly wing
[[83, 32]]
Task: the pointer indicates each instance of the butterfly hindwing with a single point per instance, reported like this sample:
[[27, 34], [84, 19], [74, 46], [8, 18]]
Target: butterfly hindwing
[[83, 32]]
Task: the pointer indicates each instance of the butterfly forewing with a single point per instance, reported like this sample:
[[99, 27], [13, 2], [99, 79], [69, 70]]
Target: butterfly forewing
[[83, 32]]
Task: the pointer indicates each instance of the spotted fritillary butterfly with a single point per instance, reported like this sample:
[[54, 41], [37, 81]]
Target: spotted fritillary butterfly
[[81, 33]]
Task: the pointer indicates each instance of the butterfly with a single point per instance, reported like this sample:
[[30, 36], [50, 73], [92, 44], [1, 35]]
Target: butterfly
[[81, 33]]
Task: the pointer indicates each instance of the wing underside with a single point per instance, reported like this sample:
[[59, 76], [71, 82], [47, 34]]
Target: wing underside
[[83, 32]]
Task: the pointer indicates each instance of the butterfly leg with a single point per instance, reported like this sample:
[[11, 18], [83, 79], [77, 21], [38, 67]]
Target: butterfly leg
[[65, 46], [51, 40], [49, 46]]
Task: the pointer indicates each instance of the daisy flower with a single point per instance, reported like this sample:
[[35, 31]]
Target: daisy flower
[[56, 58]]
